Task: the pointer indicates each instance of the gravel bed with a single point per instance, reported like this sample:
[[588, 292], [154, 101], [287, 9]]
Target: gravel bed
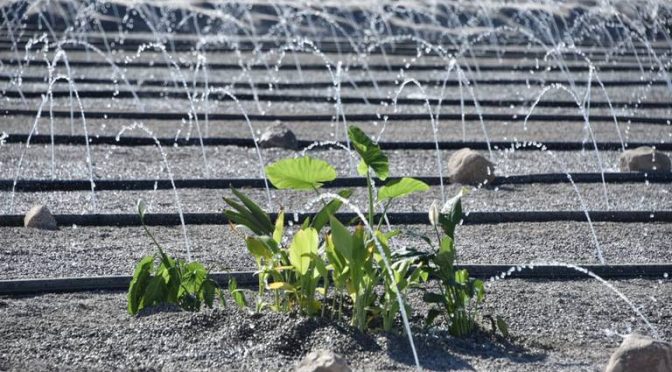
[[145, 162], [226, 106], [561, 326], [395, 131], [537, 197], [85, 251]]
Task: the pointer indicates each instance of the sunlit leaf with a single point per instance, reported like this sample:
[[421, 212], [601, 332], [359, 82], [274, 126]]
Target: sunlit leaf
[[300, 173], [400, 188], [371, 154]]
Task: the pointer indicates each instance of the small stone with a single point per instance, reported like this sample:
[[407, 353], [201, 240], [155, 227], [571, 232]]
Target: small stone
[[39, 217], [467, 166], [639, 353], [278, 135], [644, 159], [322, 361]]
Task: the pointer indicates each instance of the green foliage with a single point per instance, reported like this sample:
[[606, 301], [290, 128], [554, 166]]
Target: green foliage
[[187, 285], [303, 173], [458, 294], [351, 261], [401, 188], [371, 154]]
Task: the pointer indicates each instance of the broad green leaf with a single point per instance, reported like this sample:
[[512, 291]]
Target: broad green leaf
[[341, 238], [303, 173], [451, 214], [207, 292], [156, 292], [139, 283], [400, 188], [445, 258], [305, 242], [257, 248], [279, 227], [322, 217], [371, 154], [193, 277]]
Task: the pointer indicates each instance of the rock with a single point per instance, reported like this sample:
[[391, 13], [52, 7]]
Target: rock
[[639, 353], [322, 361], [278, 135], [39, 217], [644, 159], [469, 167]]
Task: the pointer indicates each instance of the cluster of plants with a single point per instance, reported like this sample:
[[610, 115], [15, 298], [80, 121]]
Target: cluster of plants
[[327, 267]]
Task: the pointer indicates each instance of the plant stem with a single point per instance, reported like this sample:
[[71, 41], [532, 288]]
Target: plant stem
[[369, 186]]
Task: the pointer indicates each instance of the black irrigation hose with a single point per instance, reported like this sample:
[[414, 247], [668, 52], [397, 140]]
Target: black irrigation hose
[[59, 139], [222, 184], [265, 46], [175, 116], [393, 67], [403, 218], [331, 100], [12, 287], [330, 84]]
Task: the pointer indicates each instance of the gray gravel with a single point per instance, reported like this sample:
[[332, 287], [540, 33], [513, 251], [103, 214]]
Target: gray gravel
[[86, 251], [562, 326], [538, 197], [145, 162]]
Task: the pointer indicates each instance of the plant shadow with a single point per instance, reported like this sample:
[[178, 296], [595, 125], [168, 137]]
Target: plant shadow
[[438, 351]]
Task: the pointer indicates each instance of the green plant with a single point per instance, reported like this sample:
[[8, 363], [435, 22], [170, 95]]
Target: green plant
[[353, 260], [173, 281], [458, 294]]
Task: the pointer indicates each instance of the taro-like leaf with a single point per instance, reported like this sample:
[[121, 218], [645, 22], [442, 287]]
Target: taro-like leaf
[[303, 173], [371, 154], [138, 284], [305, 242], [400, 188]]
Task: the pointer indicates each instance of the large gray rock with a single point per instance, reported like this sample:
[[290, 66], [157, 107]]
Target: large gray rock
[[39, 217], [644, 159], [467, 166], [322, 361], [638, 353], [278, 135]]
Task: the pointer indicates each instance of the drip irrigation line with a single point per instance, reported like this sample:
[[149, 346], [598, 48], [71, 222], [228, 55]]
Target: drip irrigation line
[[117, 94], [402, 218], [329, 84], [224, 183], [398, 49], [176, 116], [9, 287], [58, 139], [393, 67]]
